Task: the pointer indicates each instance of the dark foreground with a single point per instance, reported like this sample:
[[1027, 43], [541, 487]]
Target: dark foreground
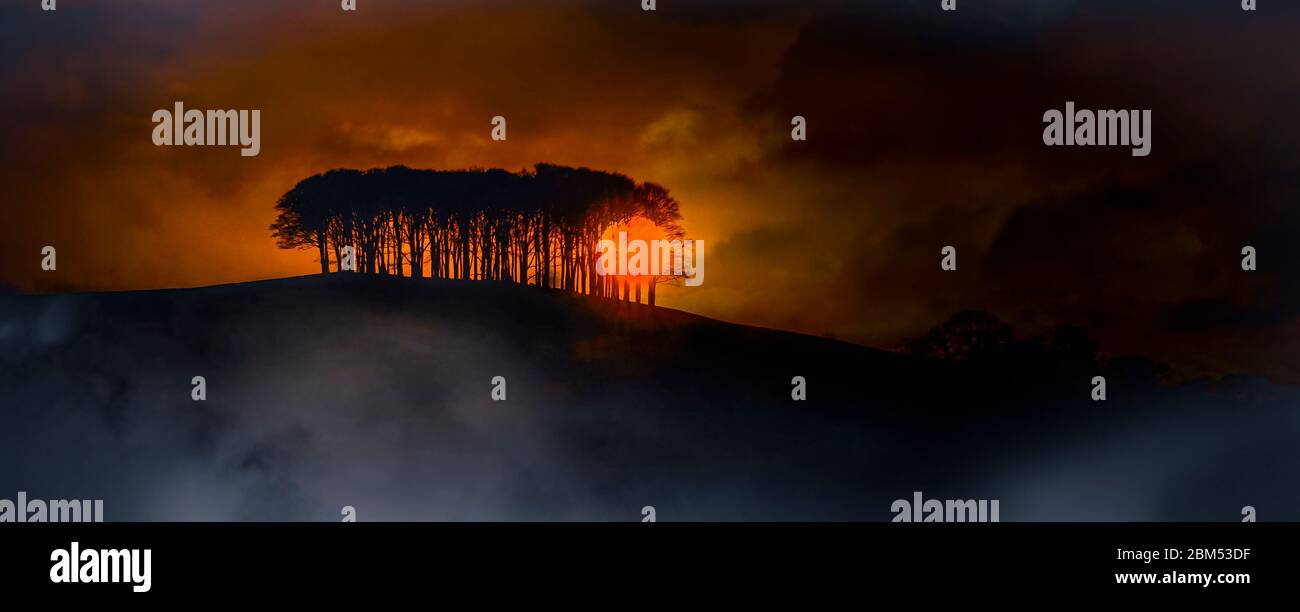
[[375, 393]]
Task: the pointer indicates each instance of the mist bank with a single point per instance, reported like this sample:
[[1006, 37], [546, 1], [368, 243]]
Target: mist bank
[[376, 392]]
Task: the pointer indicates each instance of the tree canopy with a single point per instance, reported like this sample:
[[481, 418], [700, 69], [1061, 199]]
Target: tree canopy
[[538, 226]]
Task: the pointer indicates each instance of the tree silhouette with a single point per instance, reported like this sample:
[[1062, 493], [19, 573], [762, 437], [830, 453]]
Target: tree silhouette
[[664, 212], [967, 335], [539, 226]]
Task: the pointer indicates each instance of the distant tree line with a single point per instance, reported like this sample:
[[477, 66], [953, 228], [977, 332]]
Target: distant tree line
[[975, 336], [980, 356], [540, 226]]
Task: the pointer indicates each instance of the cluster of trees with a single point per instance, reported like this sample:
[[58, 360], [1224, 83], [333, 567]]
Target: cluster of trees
[[981, 357], [540, 226], [974, 336]]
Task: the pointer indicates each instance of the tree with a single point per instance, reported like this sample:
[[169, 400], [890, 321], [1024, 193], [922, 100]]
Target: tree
[[539, 226], [967, 335], [303, 218], [664, 212]]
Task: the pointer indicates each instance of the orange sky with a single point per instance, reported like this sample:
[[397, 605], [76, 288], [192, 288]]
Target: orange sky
[[922, 132], [392, 85]]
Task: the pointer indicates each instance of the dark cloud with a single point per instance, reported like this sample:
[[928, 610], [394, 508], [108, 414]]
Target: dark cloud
[[924, 131], [943, 112]]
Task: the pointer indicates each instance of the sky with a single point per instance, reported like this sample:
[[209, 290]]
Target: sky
[[924, 130]]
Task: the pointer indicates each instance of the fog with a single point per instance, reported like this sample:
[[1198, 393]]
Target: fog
[[375, 393]]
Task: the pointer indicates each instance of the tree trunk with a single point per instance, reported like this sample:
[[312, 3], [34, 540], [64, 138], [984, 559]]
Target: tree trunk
[[324, 254]]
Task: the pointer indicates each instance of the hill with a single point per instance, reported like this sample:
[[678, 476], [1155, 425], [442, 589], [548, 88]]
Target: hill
[[375, 392]]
